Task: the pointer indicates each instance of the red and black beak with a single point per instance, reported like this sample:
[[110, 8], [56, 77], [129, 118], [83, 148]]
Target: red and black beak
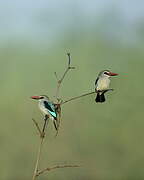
[[112, 74], [36, 97]]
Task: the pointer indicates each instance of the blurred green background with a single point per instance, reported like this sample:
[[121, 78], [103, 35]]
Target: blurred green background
[[105, 139]]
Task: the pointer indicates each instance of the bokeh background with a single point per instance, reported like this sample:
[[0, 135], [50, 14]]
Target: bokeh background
[[105, 139]]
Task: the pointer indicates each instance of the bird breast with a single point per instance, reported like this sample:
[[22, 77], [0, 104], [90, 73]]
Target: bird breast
[[42, 108], [102, 84]]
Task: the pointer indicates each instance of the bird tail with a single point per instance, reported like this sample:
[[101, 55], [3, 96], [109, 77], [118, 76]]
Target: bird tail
[[100, 97]]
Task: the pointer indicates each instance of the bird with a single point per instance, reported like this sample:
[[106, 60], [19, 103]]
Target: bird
[[102, 84], [48, 109]]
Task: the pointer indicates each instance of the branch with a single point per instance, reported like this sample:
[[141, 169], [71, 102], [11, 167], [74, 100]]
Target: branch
[[77, 97], [58, 111], [42, 132], [59, 81], [37, 126], [86, 94], [55, 167], [38, 159], [42, 136]]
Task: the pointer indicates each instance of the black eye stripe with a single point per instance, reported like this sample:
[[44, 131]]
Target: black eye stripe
[[106, 73]]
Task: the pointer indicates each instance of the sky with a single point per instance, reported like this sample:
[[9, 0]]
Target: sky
[[34, 19]]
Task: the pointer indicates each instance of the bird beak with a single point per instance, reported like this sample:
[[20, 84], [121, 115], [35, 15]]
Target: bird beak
[[35, 97], [112, 74]]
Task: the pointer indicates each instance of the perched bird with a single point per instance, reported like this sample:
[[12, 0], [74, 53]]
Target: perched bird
[[48, 109], [102, 84]]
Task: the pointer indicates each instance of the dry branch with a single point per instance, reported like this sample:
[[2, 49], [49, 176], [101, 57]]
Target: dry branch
[[37, 126], [58, 110], [55, 167], [38, 159], [42, 135], [59, 81], [80, 96], [77, 97]]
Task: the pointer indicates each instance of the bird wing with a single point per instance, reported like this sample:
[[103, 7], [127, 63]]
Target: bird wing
[[51, 109], [96, 81]]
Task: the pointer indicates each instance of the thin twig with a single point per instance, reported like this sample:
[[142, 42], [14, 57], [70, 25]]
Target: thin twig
[[55, 167], [59, 82], [69, 67], [56, 75], [38, 159], [77, 97], [42, 136], [37, 126], [86, 94]]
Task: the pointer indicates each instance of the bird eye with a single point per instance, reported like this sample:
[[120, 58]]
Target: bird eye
[[106, 73]]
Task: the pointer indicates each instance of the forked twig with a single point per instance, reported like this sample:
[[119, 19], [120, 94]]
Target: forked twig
[[55, 167], [36, 171], [37, 126], [59, 81], [42, 135]]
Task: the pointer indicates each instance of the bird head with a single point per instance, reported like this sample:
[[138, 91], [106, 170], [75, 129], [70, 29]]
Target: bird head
[[107, 73], [40, 97]]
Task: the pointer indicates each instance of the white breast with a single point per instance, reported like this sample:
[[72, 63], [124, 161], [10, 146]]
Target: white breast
[[102, 84], [42, 108]]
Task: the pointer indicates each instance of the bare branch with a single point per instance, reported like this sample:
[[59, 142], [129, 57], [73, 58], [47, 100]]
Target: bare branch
[[42, 136], [37, 126], [38, 159], [58, 110], [77, 97], [42, 132], [56, 167], [108, 90], [59, 81], [69, 59], [56, 75], [86, 94]]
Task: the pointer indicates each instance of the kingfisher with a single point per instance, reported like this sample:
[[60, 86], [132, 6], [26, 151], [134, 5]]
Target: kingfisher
[[102, 84], [48, 109]]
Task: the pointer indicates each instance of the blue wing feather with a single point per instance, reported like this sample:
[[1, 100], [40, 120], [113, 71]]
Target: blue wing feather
[[51, 109]]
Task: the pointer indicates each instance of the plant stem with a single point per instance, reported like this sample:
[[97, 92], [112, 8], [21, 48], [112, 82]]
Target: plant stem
[[86, 94], [77, 97], [38, 159], [56, 167], [69, 67]]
